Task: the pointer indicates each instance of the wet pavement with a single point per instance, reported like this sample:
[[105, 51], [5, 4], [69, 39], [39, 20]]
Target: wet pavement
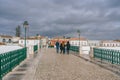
[[49, 65], [53, 66]]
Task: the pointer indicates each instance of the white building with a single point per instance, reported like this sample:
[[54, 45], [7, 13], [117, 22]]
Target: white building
[[110, 44], [8, 48], [15, 39], [75, 42], [5, 39], [29, 42], [94, 43], [44, 41], [34, 41]]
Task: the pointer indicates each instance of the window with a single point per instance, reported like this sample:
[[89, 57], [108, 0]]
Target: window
[[76, 43], [4, 40], [72, 42], [21, 41], [104, 45], [113, 45], [9, 40], [95, 44]]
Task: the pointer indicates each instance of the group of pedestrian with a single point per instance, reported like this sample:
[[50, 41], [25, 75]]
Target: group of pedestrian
[[63, 47]]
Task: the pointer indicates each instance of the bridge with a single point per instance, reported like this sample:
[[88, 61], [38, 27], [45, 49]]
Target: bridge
[[49, 65]]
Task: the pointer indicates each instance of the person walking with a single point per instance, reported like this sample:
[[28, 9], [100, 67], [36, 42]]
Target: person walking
[[63, 47], [57, 47], [68, 47]]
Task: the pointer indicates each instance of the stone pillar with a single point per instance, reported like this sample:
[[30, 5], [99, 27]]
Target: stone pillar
[[91, 54], [38, 46], [80, 50], [30, 51]]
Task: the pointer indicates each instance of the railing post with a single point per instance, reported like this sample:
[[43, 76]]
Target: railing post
[[0, 68], [25, 52], [91, 53], [94, 52], [10, 61], [112, 57], [119, 57], [101, 55]]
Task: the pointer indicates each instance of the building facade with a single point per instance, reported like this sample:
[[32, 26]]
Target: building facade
[[34, 41], [94, 43], [77, 42], [110, 43], [5, 39], [29, 42]]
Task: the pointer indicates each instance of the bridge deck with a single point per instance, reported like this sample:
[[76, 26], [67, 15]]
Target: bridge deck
[[48, 65], [53, 66]]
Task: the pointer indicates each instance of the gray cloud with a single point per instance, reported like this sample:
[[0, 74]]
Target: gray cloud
[[96, 19]]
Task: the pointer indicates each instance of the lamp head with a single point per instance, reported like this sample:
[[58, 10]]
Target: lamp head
[[78, 31], [25, 24]]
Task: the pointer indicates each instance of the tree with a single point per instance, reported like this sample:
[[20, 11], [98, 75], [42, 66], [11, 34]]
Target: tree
[[18, 31]]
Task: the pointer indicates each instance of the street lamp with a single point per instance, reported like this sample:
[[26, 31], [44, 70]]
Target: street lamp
[[78, 31], [25, 25], [64, 38], [38, 37]]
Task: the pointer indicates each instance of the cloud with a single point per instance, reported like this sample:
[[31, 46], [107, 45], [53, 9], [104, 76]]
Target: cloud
[[96, 19]]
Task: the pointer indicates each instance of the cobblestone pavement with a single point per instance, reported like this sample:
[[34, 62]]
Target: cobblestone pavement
[[53, 66]]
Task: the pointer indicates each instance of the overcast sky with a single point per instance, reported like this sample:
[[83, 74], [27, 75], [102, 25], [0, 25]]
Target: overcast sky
[[96, 19]]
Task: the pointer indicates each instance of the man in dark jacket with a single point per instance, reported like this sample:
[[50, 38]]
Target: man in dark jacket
[[57, 47], [68, 47], [61, 48]]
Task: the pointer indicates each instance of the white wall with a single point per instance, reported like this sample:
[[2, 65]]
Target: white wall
[[111, 44], [44, 41], [94, 42], [5, 48], [76, 43], [6, 40], [113, 48], [28, 42], [33, 42], [85, 49]]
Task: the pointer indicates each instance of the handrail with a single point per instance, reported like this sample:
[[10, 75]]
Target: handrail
[[74, 48], [10, 60], [112, 56], [35, 48]]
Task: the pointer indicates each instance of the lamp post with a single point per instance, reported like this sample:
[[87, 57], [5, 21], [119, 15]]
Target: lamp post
[[38, 36], [25, 25], [64, 38], [78, 31]]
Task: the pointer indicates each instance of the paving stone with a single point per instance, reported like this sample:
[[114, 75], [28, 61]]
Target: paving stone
[[48, 65], [53, 66]]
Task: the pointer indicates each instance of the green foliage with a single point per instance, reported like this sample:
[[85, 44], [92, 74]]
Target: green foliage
[[18, 31]]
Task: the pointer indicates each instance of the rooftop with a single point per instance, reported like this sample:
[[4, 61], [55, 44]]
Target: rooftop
[[5, 36]]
